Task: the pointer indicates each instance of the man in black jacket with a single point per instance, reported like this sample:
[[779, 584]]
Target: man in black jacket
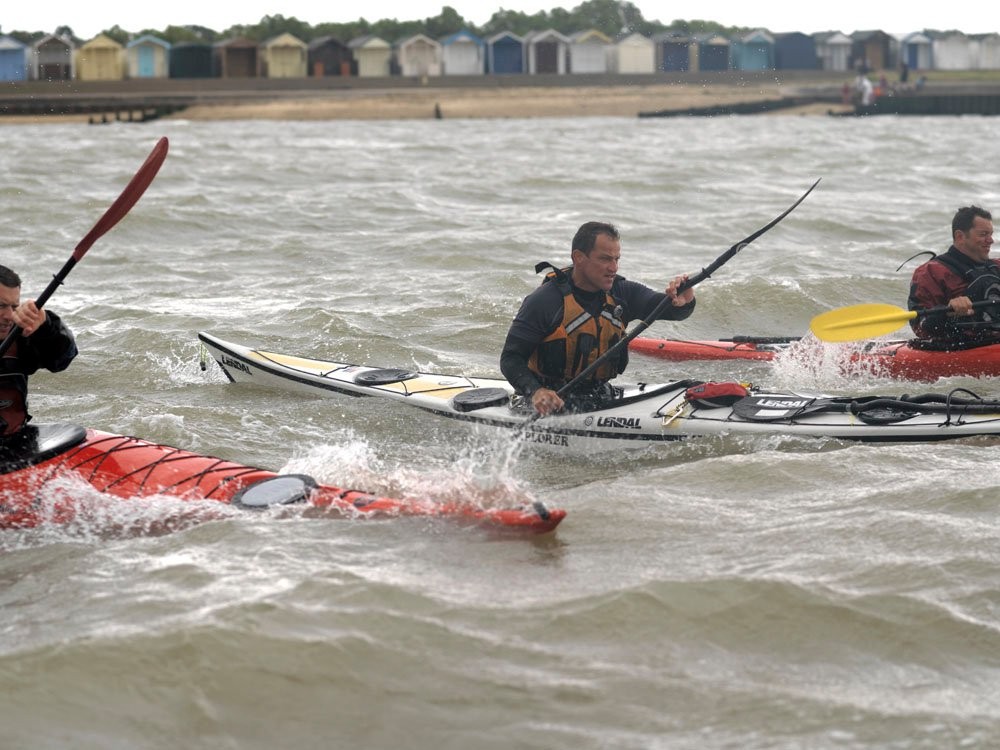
[[43, 341], [578, 314]]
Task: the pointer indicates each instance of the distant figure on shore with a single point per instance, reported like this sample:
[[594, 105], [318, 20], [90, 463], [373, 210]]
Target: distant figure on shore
[[865, 90], [904, 73]]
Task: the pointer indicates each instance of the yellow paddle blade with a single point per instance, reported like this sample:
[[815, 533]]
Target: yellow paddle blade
[[859, 322]]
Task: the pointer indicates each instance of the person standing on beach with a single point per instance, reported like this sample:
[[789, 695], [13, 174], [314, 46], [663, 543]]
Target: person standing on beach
[[957, 278], [575, 316], [43, 341]]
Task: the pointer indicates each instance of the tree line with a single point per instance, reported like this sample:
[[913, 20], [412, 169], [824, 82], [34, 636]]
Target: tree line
[[611, 17]]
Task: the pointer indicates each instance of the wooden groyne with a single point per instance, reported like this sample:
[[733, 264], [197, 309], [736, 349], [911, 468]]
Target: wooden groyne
[[744, 108], [933, 104], [99, 109]]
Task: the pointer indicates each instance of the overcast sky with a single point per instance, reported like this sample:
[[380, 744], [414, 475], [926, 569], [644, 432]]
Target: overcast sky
[[89, 18]]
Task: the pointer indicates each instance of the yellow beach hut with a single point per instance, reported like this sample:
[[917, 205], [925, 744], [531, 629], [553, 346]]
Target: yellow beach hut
[[100, 59], [284, 56]]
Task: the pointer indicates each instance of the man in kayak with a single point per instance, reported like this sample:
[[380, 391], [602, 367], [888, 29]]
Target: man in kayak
[[575, 316], [957, 278], [43, 341]]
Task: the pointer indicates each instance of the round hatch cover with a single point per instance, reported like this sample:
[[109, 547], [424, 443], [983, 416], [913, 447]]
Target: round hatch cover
[[281, 490], [480, 398], [383, 376]]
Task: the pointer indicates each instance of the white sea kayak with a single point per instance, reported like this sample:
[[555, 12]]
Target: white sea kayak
[[644, 413]]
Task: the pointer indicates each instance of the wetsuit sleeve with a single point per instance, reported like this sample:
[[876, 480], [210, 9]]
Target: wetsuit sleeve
[[932, 284], [514, 365], [640, 301], [52, 346]]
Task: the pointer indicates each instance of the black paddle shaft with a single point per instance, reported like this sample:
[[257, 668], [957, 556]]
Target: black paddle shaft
[[687, 284], [122, 205]]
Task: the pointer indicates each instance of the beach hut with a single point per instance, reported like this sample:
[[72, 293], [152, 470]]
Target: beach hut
[[833, 49], [952, 50], [191, 60], [505, 53], [13, 59], [372, 55], [52, 59], [714, 52], [754, 51], [917, 51], [147, 57], [419, 55], [100, 59], [588, 52], [675, 52], [987, 55], [328, 56], [463, 54], [283, 56], [632, 53], [235, 58], [871, 50], [546, 51], [794, 50]]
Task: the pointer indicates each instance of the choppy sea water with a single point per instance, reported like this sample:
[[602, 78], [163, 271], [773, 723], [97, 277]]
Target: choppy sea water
[[721, 594]]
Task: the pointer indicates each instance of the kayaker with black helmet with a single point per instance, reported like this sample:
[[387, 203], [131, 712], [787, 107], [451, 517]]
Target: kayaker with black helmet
[[959, 277], [575, 316], [43, 341]]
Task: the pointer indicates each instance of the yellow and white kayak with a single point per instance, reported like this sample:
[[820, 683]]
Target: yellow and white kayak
[[644, 413]]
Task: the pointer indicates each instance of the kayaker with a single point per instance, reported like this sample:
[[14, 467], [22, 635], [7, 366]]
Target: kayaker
[[576, 315], [44, 341], [963, 274]]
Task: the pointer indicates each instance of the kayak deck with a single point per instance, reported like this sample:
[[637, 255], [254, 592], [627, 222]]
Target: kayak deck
[[128, 468]]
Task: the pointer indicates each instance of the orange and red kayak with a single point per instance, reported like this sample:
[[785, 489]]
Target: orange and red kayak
[[892, 359], [128, 468]]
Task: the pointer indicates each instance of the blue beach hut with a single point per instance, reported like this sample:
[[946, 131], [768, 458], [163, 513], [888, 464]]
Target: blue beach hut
[[754, 51], [13, 59], [505, 53], [147, 57], [795, 51], [917, 51], [713, 52]]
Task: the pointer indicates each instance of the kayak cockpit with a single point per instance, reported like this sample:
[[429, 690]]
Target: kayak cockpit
[[37, 443]]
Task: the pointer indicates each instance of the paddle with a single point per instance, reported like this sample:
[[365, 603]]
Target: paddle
[[690, 282], [870, 320], [132, 192]]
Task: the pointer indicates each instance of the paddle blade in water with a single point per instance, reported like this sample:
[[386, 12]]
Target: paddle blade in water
[[859, 322]]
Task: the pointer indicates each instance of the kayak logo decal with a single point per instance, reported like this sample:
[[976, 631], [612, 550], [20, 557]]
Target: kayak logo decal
[[622, 423], [547, 438], [783, 403], [235, 364]]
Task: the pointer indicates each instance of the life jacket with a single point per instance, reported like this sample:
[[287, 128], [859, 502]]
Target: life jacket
[[982, 283], [13, 399], [580, 338]]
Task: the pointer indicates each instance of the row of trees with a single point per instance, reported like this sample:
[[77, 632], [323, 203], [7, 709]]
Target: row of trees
[[609, 16]]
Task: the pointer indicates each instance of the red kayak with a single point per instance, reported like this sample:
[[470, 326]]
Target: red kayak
[[127, 467], [893, 359]]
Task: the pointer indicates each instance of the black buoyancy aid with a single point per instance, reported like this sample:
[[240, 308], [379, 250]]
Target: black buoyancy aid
[[580, 338], [13, 399], [982, 283]]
